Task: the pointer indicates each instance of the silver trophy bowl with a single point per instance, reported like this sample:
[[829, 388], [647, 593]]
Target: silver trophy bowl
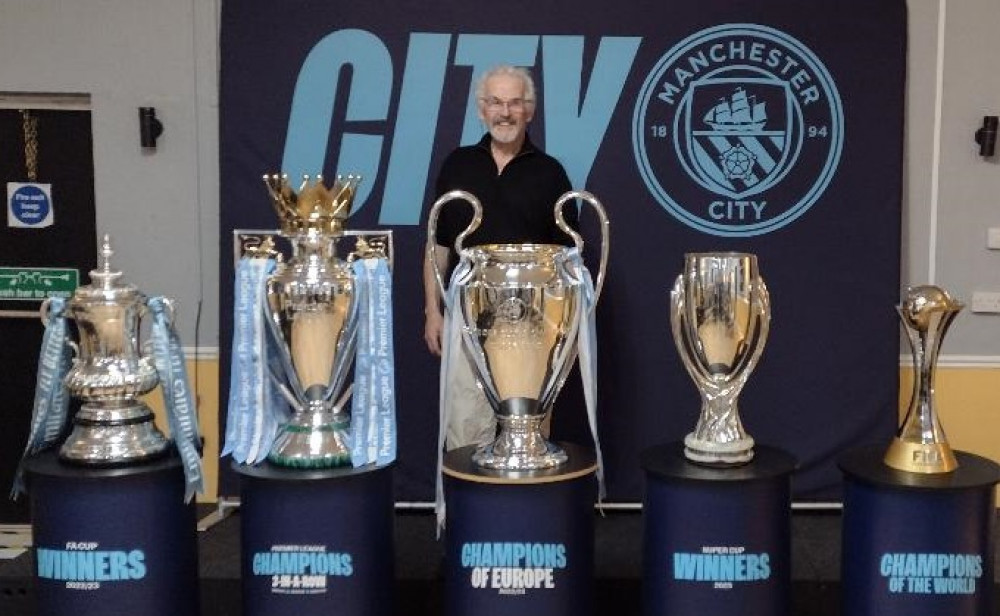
[[113, 427], [519, 307], [720, 317]]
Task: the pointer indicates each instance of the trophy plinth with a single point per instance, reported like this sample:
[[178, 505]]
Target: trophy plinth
[[112, 427], [920, 445], [313, 318], [720, 317]]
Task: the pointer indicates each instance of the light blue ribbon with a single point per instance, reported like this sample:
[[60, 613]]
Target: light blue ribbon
[[373, 410], [51, 406], [587, 346], [451, 351], [256, 407], [182, 415]]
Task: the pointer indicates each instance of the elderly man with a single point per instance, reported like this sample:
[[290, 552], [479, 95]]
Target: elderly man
[[518, 185]]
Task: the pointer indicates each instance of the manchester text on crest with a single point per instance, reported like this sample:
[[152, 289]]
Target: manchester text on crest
[[774, 59]]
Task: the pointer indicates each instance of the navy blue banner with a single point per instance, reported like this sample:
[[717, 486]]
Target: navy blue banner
[[716, 125]]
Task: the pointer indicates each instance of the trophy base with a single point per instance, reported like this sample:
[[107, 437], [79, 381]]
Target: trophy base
[[131, 437], [707, 453], [927, 458], [311, 446], [496, 457]]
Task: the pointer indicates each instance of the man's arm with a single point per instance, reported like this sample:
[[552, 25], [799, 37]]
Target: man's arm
[[433, 320]]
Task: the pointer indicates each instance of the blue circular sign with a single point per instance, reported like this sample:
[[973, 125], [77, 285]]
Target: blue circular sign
[[30, 205]]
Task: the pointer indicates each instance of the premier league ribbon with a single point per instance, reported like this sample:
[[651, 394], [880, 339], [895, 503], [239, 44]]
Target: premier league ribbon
[[256, 405], [451, 351], [51, 404], [373, 410], [587, 347], [181, 414]]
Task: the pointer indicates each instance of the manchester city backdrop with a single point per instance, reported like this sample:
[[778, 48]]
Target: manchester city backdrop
[[773, 128]]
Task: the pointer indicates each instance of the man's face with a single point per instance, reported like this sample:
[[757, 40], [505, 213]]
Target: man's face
[[504, 110]]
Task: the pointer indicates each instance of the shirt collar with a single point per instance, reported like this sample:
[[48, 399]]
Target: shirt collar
[[526, 147]]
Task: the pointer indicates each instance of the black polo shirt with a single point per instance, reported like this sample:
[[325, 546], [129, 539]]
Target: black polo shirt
[[517, 204]]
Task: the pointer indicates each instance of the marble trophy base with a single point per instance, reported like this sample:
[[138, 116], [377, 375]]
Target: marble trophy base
[[734, 453]]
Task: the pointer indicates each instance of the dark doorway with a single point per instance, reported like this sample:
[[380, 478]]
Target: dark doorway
[[64, 160]]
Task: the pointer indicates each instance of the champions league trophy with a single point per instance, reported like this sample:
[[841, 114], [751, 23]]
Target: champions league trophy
[[920, 445], [720, 315], [521, 309]]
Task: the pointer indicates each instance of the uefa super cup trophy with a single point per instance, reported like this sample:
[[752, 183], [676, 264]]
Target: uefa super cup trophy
[[313, 317], [920, 445], [720, 314], [113, 427], [520, 307]]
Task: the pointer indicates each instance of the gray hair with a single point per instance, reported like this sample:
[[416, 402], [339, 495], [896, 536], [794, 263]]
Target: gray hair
[[508, 71]]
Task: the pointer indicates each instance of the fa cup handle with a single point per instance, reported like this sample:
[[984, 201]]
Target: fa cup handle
[[432, 219], [44, 312], [605, 236]]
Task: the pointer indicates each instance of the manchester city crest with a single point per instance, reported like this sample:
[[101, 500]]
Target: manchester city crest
[[738, 130]]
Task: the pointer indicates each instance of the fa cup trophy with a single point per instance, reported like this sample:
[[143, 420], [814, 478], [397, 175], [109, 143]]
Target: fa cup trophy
[[720, 314], [113, 426], [520, 308], [920, 445]]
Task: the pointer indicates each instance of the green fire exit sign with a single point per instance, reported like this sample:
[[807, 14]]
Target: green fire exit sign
[[37, 283]]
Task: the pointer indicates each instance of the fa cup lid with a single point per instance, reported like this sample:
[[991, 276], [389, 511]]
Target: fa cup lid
[[106, 284]]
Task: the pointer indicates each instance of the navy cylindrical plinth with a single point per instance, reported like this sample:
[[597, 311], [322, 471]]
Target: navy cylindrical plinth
[[519, 543], [917, 544], [112, 541], [316, 541], [716, 540]]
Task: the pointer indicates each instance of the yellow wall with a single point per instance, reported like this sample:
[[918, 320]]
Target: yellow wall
[[967, 400], [204, 377]]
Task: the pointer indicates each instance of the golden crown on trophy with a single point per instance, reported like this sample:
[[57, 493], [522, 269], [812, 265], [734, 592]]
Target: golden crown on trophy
[[313, 207]]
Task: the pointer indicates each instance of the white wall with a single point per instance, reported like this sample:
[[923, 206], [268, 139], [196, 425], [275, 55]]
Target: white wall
[[162, 207], [968, 187]]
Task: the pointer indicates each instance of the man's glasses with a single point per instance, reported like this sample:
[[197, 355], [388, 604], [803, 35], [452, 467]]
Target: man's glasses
[[497, 104]]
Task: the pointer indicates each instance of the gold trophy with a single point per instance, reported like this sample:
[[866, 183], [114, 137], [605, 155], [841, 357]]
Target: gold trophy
[[920, 445]]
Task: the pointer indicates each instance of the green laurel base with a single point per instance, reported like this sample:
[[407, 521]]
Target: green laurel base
[[307, 463], [303, 446]]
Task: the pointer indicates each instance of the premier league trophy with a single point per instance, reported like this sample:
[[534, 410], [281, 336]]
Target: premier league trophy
[[312, 314], [521, 309], [720, 315], [920, 445], [300, 326]]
